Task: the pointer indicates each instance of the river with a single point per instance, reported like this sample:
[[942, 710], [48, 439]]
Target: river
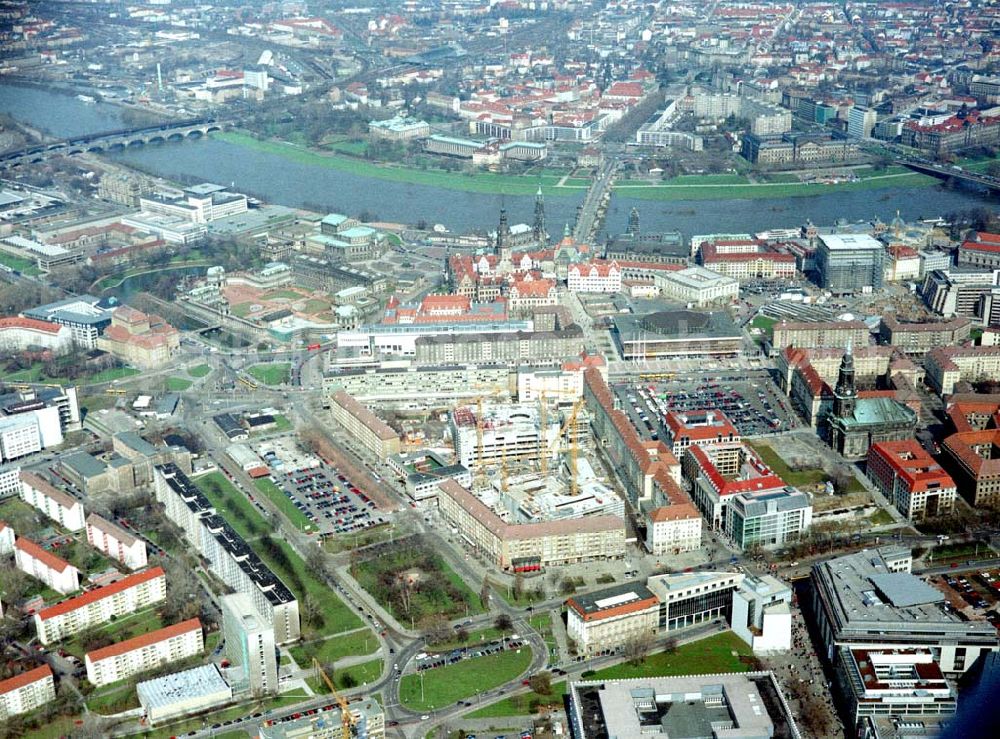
[[295, 184]]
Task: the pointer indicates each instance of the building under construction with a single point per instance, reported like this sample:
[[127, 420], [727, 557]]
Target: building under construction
[[486, 435]]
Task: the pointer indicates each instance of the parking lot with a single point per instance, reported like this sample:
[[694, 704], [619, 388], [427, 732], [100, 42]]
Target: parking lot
[[329, 500], [973, 593], [750, 401], [426, 661]]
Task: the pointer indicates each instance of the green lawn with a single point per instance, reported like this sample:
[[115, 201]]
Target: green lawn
[[283, 294], [200, 370], [348, 677], [120, 699], [177, 384], [475, 637], [487, 182], [881, 518], [281, 425], [443, 686], [714, 654], [34, 373], [232, 505], [274, 373], [709, 179], [336, 647], [58, 728], [765, 324], [121, 629], [118, 373], [274, 494], [797, 477], [24, 266]]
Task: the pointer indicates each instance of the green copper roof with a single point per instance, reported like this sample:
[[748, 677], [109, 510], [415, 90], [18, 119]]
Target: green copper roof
[[869, 411]]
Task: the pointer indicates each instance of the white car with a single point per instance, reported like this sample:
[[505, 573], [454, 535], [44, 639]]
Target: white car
[[424, 717]]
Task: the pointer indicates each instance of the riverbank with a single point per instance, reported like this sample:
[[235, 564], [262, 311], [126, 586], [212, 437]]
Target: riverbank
[[480, 182]]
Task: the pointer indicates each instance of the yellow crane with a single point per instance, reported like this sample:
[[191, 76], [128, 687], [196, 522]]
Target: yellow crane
[[543, 453], [346, 717]]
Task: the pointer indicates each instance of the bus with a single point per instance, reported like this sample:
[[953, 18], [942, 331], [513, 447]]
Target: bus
[[313, 347], [248, 382]]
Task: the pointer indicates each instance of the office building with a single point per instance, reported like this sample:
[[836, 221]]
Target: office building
[[488, 433], [971, 456], [116, 542], [919, 338], [746, 259], [948, 365], [951, 293], [28, 432], [870, 600], [230, 558], [249, 641], [850, 263], [769, 518], [676, 334], [690, 598], [529, 546], [611, 618], [364, 426], [202, 203], [762, 615], [746, 705], [101, 605], [147, 651], [910, 479], [86, 316], [860, 122], [183, 694], [41, 564], [61, 507], [424, 470], [809, 335], [702, 428], [26, 691]]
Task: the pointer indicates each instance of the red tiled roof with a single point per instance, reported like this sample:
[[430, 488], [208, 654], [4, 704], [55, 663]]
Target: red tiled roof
[[641, 604], [44, 487], [97, 594], [42, 555], [31, 324], [912, 463], [25, 678], [144, 640]]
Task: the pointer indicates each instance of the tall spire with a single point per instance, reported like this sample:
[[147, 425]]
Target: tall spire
[[538, 227], [845, 394], [633, 222]]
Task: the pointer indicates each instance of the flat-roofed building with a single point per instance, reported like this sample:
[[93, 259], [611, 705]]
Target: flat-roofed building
[[27, 432], [26, 691], [899, 682], [372, 432], [762, 614], [809, 335], [183, 694], [690, 598], [101, 605], [911, 479], [677, 333], [697, 286], [947, 365], [919, 338], [611, 618], [249, 642], [86, 316], [870, 600], [116, 542], [746, 260], [529, 546], [368, 723], [60, 506], [850, 262], [746, 705], [147, 651], [43, 565]]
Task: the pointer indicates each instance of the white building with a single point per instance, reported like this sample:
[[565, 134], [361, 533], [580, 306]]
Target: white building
[[26, 433], [55, 572], [559, 385], [611, 618], [689, 598], [183, 694], [101, 605], [61, 507], [762, 615], [6, 539], [594, 277], [19, 334], [249, 646], [84, 315], [10, 481], [697, 286], [144, 652], [202, 203], [509, 431], [116, 542], [671, 529], [860, 122], [26, 692]]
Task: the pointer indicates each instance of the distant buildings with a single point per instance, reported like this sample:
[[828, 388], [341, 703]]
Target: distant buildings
[[144, 652], [850, 263], [962, 131], [747, 260], [817, 334], [202, 203], [910, 478], [919, 338], [26, 691], [399, 129], [594, 277], [793, 148]]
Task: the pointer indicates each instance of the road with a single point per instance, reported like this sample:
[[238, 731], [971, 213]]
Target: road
[[590, 211]]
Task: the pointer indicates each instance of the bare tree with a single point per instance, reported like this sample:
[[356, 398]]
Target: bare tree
[[541, 683], [435, 628], [503, 623], [637, 648]]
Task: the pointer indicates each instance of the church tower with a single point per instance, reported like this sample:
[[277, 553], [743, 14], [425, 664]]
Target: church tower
[[538, 227], [503, 247], [845, 394], [633, 222]]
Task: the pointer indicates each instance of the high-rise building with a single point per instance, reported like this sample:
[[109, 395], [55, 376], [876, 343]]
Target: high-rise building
[[249, 646], [850, 262], [861, 122]]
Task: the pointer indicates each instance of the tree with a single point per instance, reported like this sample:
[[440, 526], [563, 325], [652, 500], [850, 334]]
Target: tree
[[842, 480], [518, 586], [484, 593], [670, 646], [462, 634], [503, 622], [993, 169], [541, 683], [637, 648], [435, 628], [312, 612]]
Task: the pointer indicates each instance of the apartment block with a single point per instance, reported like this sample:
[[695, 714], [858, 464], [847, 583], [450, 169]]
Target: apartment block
[[364, 426], [948, 365], [919, 338], [809, 335], [61, 507], [26, 692], [909, 477], [611, 618], [41, 564], [144, 652], [116, 542], [249, 646], [101, 605]]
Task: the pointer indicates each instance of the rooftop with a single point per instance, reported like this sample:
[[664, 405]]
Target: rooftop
[[144, 640], [183, 686], [615, 601]]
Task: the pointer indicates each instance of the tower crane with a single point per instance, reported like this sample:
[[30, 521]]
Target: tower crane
[[347, 719]]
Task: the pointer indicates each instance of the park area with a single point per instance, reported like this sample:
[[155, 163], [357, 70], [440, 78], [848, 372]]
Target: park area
[[273, 373], [414, 583], [253, 303], [444, 686]]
